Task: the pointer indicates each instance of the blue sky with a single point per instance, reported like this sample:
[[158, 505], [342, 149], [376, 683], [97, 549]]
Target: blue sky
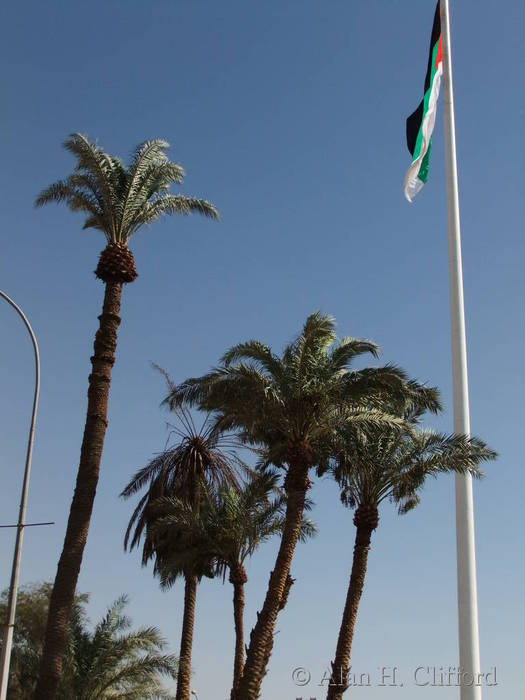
[[290, 117]]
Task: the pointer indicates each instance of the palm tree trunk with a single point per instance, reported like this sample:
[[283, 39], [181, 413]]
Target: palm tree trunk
[[284, 599], [261, 638], [82, 504], [365, 519], [186, 639], [238, 578]]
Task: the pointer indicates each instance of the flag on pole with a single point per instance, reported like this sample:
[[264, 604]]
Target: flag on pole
[[420, 124]]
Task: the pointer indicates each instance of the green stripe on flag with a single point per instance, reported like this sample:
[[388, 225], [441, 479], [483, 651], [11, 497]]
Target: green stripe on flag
[[425, 165], [417, 149]]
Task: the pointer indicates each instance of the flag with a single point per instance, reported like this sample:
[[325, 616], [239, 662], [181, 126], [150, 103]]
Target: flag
[[420, 124]]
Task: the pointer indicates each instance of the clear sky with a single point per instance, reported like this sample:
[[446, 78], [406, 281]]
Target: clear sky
[[290, 117]]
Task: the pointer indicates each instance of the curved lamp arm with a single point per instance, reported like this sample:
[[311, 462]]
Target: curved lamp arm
[[13, 588]]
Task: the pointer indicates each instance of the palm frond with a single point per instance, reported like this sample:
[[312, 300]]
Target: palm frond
[[258, 352], [182, 204], [93, 160], [146, 158], [348, 348]]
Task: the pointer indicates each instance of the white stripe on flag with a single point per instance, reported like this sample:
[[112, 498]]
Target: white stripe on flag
[[412, 183]]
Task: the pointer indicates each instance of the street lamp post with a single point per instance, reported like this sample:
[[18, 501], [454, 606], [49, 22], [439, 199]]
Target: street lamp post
[[13, 587]]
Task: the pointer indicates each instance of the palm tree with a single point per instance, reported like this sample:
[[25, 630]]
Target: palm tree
[[113, 662], [117, 200], [109, 663], [200, 462], [229, 528], [290, 405], [28, 636], [394, 466]]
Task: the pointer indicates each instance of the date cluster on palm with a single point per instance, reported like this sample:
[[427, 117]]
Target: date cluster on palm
[[366, 516], [116, 264]]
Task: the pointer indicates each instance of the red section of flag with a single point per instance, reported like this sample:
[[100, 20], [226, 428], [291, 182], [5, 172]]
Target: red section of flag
[[439, 55]]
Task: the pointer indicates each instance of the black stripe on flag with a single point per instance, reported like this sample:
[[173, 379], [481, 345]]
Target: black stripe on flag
[[415, 119]]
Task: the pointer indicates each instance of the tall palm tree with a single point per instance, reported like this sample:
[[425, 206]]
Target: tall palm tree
[[229, 528], [200, 462], [290, 405], [117, 200], [389, 465]]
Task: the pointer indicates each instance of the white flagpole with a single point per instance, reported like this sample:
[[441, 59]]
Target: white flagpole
[[466, 556]]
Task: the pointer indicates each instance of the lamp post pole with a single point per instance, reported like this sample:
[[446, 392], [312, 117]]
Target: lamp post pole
[[15, 572]]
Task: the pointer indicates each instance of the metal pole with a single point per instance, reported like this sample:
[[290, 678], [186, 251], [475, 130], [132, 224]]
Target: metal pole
[[13, 588], [466, 556]]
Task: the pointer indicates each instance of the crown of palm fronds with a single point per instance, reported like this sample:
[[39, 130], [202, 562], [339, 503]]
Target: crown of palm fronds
[[201, 461], [230, 525], [300, 395], [393, 465], [115, 662], [116, 199]]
